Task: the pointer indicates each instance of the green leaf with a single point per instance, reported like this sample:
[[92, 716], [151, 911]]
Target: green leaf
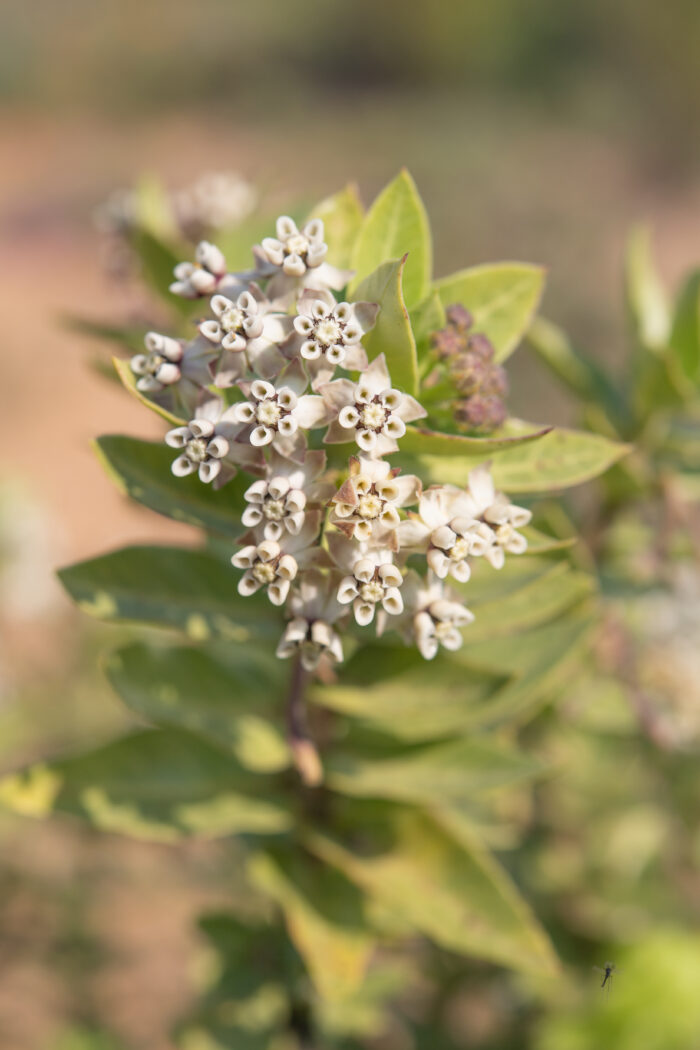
[[535, 603], [128, 379], [154, 213], [141, 470], [170, 587], [395, 225], [232, 703], [324, 913], [156, 784], [418, 441], [448, 771], [391, 335], [557, 460], [158, 262], [447, 887], [342, 216], [646, 298], [685, 332], [502, 298]]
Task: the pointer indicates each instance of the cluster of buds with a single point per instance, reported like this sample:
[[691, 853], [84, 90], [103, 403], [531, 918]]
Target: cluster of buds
[[361, 542], [481, 383]]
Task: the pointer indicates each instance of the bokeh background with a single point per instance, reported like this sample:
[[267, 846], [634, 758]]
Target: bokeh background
[[538, 131]]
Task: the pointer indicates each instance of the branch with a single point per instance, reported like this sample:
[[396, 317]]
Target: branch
[[304, 753]]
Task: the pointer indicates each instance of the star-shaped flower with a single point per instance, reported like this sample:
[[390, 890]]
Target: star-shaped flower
[[371, 579], [208, 446], [279, 413], [279, 503], [274, 565], [435, 615], [296, 256], [247, 334], [310, 633], [328, 334], [370, 412], [366, 506]]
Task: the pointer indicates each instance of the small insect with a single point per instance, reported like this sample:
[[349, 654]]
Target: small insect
[[607, 970]]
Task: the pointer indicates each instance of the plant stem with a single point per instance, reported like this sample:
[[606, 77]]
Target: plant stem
[[304, 753]]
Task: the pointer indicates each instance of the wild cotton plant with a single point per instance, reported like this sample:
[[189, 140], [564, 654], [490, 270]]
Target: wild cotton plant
[[369, 617]]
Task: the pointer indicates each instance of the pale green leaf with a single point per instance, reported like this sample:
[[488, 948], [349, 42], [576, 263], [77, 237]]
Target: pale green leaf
[[557, 460], [142, 470], [155, 784], [646, 298], [501, 297], [342, 216], [128, 379], [324, 914], [426, 319], [233, 703], [396, 224], [444, 886], [391, 335], [170, 587], [685, 333], [419, 441]]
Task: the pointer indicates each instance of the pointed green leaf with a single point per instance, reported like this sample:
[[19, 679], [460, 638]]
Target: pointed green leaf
[[155, 784], [342, 216], [232, 703], [128, 379], [449, 771], [557, 460], [391, 335], [141, 470], [170, 587], [420, 441], [646, 298], [502, 298], [396, 224], [446, 887], [324, 916], [427, 318], [685, 333], [158, 261]]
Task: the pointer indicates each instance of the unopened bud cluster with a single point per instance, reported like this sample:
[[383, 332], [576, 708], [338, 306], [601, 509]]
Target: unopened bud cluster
[[480, 382], [326, 544]]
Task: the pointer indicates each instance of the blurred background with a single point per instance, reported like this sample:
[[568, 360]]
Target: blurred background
[[539, 132]]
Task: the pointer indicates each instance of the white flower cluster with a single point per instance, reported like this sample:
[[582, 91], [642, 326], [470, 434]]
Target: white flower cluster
[[327, 544]]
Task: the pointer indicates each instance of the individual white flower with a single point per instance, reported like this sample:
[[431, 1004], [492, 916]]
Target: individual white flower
[[247, 335], [279, 503], [370, 412], [160, 365], [310, 633], [277, 414], [274, 565], [206, 275], [290, 257], [327, 334], [494, 510], [371, 579], [207, 445], [436, 615], [366, 506]]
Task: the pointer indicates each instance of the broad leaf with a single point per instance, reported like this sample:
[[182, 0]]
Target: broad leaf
[[396, 224], [685, 333], [426, 319], [142, 470], [156, 784], [391, 335], [557, 460], [158, 262], [342, 216], [448, 888], [232, 703], [324, 913], [448, 771], [418, 441], [501, 297], [169, 587], [128, 379]]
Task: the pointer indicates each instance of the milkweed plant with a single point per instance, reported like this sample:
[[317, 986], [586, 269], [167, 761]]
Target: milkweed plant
[[375, 609]]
